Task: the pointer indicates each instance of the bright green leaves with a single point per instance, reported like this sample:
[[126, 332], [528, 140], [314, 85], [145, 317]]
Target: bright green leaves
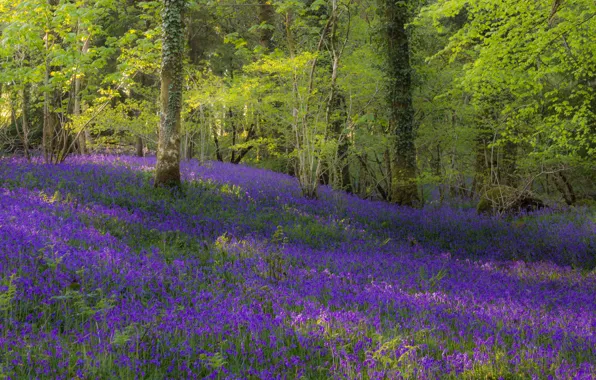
[[37, 34], [532, 63]]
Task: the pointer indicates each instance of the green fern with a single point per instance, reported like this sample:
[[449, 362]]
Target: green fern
[[215, 362], [9, 295], [122, 337]]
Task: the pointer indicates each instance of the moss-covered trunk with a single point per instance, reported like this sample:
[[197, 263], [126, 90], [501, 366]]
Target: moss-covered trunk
[[401, 118], [168, 151], [266, 15]]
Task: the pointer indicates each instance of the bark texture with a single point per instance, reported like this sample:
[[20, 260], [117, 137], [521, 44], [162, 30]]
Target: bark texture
[[139, 147], [168, 150], [401, 120], [266, 14]]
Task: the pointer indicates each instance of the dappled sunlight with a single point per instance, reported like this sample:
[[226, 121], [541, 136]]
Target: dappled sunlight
[[371, 292], [318, 189]]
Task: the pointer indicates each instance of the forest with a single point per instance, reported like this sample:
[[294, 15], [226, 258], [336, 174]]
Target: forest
[[298, 189]]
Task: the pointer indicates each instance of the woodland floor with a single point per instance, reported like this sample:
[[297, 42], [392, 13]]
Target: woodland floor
[[103, 276]]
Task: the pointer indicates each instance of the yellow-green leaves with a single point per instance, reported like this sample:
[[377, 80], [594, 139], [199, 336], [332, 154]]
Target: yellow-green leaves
[[529, 62]]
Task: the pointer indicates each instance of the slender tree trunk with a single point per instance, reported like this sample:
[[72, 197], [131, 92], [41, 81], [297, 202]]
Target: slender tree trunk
[[338, 116], [335, 112], [218, 153], [77, 112], [190, 148], [77, 102], [66, 140], [48, 136], [564, 186], [15, 122], [482, 166], [436, 167], [234, 133], [203, 134], [25, 117], [168, 151], [401, 120], [508, 165], [244, 151]]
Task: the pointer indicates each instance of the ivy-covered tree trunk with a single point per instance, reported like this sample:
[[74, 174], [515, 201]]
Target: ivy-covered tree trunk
[[401, 118], [168, 150], [266, 14]]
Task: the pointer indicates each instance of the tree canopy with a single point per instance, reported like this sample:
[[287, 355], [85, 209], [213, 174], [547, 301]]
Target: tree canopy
[[502, 93]]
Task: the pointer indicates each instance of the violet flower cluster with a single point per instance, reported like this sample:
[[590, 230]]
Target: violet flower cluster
[[237, 276]]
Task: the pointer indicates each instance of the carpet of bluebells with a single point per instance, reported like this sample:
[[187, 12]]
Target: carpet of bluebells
[[237, 276]]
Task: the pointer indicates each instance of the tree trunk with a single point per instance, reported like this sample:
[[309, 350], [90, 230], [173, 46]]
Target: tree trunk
[[436, 167], [266, 13], [48, 136], [508, 165], [401, 118], [190, 148], [168, 151], [244, 151], [234, 132], [218, 153], [139, 147], [25, 117], [336, 111], [77, 112], [482, 177], [564, 186], [338, 120], [77, 102], [14, 121]]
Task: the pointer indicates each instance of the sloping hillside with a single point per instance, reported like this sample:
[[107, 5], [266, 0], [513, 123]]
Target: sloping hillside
[[103, 276]]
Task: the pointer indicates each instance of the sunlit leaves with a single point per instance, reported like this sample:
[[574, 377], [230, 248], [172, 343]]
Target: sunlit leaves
[[536, 60]]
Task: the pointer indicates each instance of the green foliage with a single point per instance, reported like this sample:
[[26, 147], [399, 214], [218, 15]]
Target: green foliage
[[532, 65], [122, 337], [215, 361], [505, 199], [274, 258], [8, 296], [503, 92], [430, 283]]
